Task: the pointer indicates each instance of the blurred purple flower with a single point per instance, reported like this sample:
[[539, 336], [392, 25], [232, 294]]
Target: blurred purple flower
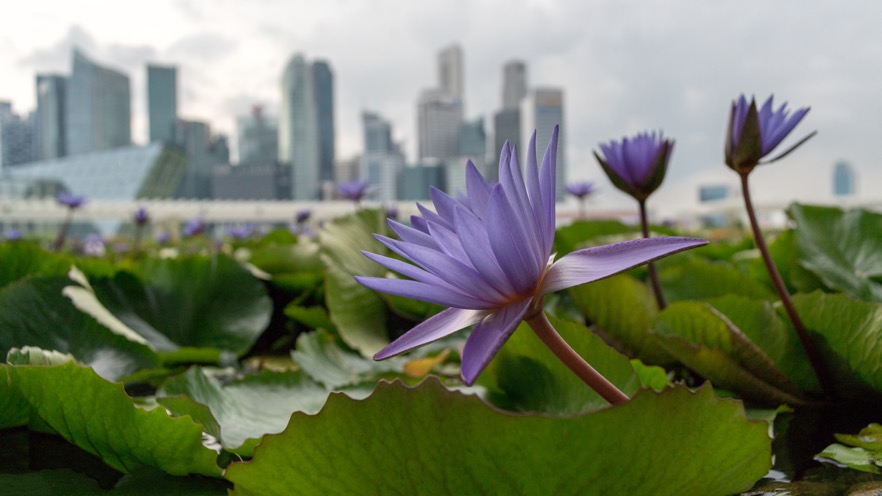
[[353, 190], [488, 257], [141, 216], [753, 133], [13, 234], [392, 212], [240, 232], [193, 227], [580, 189], [93, 246], [163, 237], [636, 165], [70, 200]]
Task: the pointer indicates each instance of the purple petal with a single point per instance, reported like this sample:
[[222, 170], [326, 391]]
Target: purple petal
[[434, 328], [592, 264], [535, 192], [411, 235], [520, 218], [476, 243], [478, 190], [424, 292], [548, 185], [409, 270], [444, 204], [488, 337], [506, 241]]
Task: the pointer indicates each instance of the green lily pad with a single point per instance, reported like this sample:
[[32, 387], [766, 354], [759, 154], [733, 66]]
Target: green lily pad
[[21, 259], [246, 409], [70, 483], [323, 360], [847, 331], [525, 376], [358, 313], [706, 341], [577, 235], [429, 440], [99, 417], [196, 301], [861, 452], [39, 312], [697, 279], [624, 309], [843, 248]]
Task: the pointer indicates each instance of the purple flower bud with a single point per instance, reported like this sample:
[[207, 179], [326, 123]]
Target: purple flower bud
[[303, 216], [353, 190], [141, 216], [240, 232], [93, 246], [753, 134], [193, 227], [636, 165], [581, 189]]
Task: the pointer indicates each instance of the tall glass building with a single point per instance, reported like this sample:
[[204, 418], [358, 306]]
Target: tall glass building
[[306, 126], [51, 116], [843, 179], [258, 137], [99, 114], [162, 102], [382, 160]]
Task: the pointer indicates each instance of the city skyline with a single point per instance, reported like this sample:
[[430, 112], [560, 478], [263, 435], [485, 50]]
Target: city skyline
[[622, 69]]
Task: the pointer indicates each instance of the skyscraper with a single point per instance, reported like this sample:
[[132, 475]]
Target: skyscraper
[[51, 116], [258, 137], [382, 160], [195, 138], [450, 74], [306, 126], [16, 137], [514, 84], [541, 110], [99, 115], [162, 101], [323, 85], [439, 115], [843, 179]]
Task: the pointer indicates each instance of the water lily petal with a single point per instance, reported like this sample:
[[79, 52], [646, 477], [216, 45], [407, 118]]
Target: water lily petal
[[592, 264], [476, 243], [488, 337], [506, 237], [424, 292], [432, 329], [548, 185]]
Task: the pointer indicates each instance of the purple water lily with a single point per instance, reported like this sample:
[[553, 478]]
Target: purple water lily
[[240, 232], [193, 227], [636, 165], [488, 257], [303, 216], [753, 133], [580, 189], [70, 200], [141, 216], [353, 190]]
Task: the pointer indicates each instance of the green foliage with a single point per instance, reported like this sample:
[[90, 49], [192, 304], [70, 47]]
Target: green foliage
[[861, 452], [22, 259], [843, 248], [429, 440], [526, 376], [623, 309], [195, 301], [98, 416], [358, 313], [697, 279]]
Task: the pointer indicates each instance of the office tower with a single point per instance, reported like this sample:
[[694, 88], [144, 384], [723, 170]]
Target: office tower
[[195, 138], [514, 84], [323, 85], [541, 110], [382, 160], [51, 116], [439, 115], [306, 126], [16, 137], [98, 107], [258, 137], [162, 101], [472, 146], [843, 179], [450, 72]]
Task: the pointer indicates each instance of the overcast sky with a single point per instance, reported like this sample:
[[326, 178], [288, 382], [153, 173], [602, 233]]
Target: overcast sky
[[625, 66]]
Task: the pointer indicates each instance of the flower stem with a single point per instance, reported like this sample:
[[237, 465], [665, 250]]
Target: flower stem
[[62, 232], [549, 336], [814, 356], [650, 267]]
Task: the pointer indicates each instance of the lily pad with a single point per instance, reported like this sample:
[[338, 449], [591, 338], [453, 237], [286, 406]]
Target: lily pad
[[429, 440], [842, 247], [196, 301], [99, 417], [861, 452]]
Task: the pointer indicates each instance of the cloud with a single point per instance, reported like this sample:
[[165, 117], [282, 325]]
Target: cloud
[[203, 47]]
